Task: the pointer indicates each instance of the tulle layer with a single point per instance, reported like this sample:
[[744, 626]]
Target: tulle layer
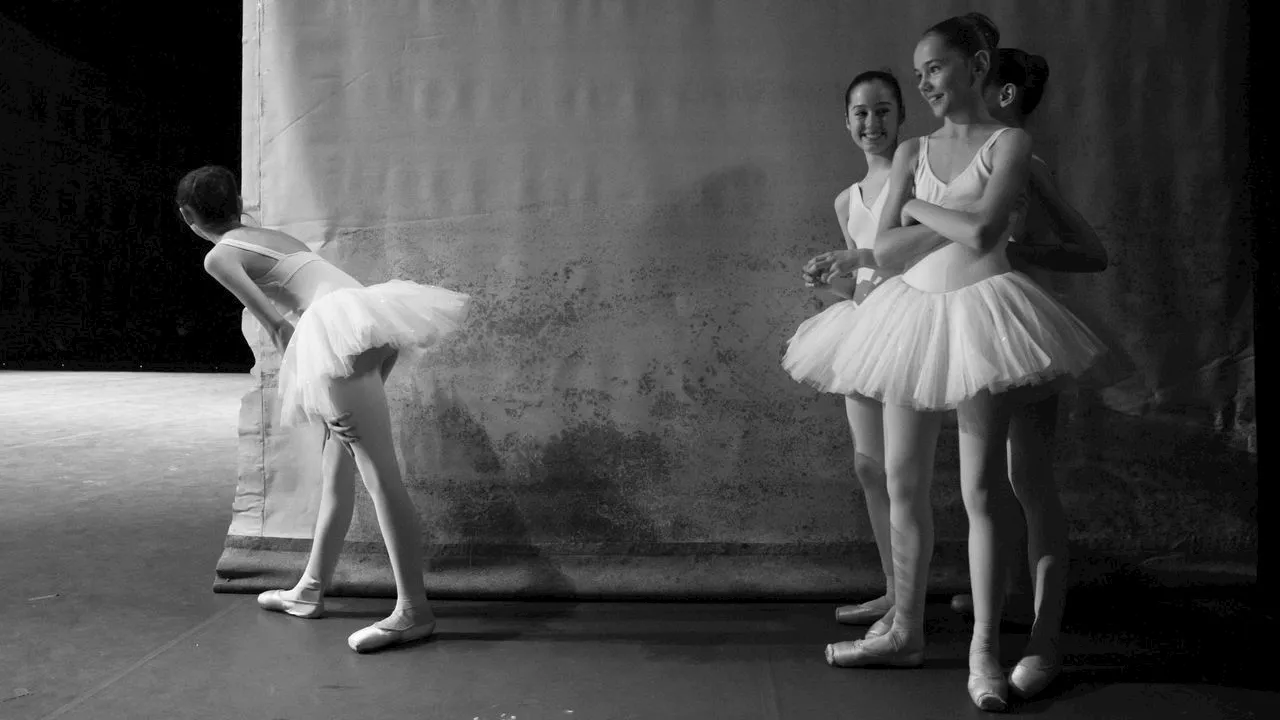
[[341, 325], [932, 351]]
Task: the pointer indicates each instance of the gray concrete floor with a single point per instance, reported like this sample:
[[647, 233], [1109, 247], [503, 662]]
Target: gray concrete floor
[[115, 491]]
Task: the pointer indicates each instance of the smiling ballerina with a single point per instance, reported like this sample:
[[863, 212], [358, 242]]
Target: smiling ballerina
[[959, 330], [873, 116]]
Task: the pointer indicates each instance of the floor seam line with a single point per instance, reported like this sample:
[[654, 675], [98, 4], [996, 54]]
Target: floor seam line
[[146, 659]]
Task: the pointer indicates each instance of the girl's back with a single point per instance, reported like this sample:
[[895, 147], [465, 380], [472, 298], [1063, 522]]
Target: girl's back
[[286, 269]]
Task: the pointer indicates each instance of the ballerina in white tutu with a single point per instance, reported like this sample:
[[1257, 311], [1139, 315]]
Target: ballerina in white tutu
[[873, 116], [957, 330], [336, 359], [1020, 80]]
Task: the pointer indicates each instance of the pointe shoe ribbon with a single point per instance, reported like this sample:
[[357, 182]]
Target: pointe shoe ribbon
[[989, 692], [855, 654], [376, 638], [1029, 677], [275, 601]]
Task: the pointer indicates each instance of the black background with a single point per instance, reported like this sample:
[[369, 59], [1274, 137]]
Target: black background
[[157, 310]]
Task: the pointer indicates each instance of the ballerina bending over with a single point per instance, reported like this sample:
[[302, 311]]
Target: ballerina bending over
[[335, 361], [873, 116], [957, 330]]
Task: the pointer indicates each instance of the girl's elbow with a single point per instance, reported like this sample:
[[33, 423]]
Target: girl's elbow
[[882, 257]]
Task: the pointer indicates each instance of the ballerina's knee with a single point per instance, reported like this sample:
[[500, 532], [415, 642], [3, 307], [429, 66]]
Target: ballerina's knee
[[870, 473]]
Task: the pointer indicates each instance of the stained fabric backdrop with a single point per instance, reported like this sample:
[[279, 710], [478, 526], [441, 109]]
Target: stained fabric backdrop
[[629, 189]]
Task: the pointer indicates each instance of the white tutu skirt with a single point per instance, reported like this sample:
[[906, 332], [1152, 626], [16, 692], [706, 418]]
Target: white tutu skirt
[[934, 350], [341, 325]]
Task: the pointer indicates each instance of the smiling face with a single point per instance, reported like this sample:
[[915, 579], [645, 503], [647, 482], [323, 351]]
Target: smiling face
[[945, 78], [873, 116]]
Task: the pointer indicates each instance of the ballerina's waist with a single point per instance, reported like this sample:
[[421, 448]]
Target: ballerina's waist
[[955, 266]]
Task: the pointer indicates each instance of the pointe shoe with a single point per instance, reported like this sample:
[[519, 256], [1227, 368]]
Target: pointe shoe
[[863, 614], [375, 638], [989, 692], [273, 600], [855, 654], [1030, 678], [879, 628]]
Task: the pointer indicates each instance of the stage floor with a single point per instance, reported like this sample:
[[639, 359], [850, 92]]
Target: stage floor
[[115, 495]]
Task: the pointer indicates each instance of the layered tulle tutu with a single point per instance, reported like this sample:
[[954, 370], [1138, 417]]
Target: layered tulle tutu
[[341, 325], [933, 350], [1114, 366]]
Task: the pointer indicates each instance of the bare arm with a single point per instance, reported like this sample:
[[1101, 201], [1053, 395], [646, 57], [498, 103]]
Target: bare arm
[[843, 287], [987, 222], [1080, 250], [909, 243], [228, 271], [896, 245]]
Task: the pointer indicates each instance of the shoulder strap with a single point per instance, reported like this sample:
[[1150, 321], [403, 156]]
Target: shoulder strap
[[922, 153], [252, 248], [984, 151]]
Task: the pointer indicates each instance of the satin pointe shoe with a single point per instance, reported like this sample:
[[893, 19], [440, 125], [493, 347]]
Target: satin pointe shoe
[[1031, 676], [855, 654], [881, 627], [274, 601], [863, 614], [989, 692]]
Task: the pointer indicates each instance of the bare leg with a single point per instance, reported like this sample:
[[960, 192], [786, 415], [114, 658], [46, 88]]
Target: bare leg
[[337, 503], [1031, 435], [1019, 590], [389, 363], [911, 439], [866, 423], [984, 427], [362, 402]]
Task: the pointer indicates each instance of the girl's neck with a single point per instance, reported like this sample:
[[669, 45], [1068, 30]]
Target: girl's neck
[[879, 162], [962, 121], [217, 233]]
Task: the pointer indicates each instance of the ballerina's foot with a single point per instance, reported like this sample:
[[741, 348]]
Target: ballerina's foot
[[864, 613], [881, 626], [395, 630], [987, 686], [1033, 674], [884, 651], [292, 603]]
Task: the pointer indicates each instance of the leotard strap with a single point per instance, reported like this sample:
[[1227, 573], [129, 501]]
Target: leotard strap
[[273, 254]]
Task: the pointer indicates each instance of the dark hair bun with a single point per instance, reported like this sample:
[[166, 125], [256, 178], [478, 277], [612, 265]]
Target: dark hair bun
[[990, 33], [1037, 70], [1030, 73]]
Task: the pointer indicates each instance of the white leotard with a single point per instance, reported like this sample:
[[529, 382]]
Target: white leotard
[[953, 265], [297, 279], [862, 227]]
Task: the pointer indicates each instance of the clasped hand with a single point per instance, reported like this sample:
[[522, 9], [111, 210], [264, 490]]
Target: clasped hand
[[822, 269]]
